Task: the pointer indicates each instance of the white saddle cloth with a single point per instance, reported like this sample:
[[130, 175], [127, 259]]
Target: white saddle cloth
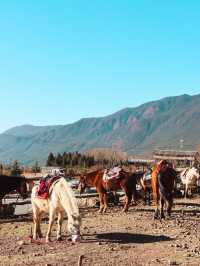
[[112, 173]]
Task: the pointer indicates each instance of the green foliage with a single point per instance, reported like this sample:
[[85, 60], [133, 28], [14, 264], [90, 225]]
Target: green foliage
[[158, 124], [51, 161], [70, 160]]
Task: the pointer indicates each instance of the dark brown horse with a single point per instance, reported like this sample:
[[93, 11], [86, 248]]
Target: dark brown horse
[[11, 183], [163, 185], [126, 182]]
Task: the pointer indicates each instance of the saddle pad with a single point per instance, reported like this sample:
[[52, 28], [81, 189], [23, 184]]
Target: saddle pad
[[45, 187], [113, 173], [147, 177]]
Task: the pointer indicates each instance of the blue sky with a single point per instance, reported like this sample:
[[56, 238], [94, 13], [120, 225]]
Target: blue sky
[[64, 60]]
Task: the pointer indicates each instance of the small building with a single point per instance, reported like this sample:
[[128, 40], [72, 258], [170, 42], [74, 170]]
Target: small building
[[51, 170], [179, 158]]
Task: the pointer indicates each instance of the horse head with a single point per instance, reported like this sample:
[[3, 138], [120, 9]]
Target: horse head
[[74, 224], [22, 188], [82, 183]]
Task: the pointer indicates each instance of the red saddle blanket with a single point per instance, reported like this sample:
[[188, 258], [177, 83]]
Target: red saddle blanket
[[44, 186]]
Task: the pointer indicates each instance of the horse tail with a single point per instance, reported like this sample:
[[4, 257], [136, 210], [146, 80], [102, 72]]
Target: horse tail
[[154, 182]]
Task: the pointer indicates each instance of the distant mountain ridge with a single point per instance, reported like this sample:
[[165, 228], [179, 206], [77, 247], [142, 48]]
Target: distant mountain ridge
[[136, 130]]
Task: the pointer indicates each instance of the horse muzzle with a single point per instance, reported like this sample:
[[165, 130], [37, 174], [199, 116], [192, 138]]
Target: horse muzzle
[[76, 238]]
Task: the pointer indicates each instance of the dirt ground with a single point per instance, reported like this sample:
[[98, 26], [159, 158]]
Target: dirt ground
[[113, 238]]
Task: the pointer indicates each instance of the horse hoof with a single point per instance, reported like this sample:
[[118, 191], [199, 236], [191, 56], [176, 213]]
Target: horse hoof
[[59, 238], [156, 217]]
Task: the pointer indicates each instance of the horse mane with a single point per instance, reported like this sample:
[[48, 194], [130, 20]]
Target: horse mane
[[68, 200]]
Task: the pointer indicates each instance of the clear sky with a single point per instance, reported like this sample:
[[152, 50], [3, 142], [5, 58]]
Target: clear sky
[[64, 60]]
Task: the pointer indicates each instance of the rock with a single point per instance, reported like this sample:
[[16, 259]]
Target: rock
[[20, 243]]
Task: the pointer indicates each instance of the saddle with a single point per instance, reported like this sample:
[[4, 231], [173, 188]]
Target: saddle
[[45, 185], [111, 174], [147, 175]]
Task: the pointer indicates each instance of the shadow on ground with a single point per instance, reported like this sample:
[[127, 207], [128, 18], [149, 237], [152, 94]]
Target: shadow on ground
[[127, 238]]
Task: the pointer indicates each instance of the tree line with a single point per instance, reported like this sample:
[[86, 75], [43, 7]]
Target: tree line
[[71, 159]]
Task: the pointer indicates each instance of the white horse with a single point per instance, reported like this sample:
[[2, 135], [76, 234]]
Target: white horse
[[61, 199], [189, 178]]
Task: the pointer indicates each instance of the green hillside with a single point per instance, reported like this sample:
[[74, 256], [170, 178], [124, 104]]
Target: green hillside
[[137, 130]]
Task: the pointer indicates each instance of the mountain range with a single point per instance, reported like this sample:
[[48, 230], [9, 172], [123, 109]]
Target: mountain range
[[168, 123]]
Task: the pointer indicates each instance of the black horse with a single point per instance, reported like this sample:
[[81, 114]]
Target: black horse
[[11, 183]]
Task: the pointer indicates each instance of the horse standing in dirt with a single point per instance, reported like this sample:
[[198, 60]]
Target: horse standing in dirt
[[61, 199], [126, 182], [189, 178], [163, 185]]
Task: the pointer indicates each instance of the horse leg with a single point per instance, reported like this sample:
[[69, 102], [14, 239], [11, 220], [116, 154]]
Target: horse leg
[[116, 199], [186, 190], [162, 202], [105, 202], [101, 199], [169, 204], [39, 228], [133, 196], [148, 197], [127, 201], [36, 222], [60, 221], [145, 197], [190, 192], [156, 214], [51, 220]]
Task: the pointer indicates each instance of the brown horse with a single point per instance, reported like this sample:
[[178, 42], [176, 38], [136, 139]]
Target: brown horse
[[163, 185], [126, 182], [11, 183]]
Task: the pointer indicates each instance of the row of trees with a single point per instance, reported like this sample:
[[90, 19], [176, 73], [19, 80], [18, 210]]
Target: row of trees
[[103, 157], [16, 169], [70, 160]]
